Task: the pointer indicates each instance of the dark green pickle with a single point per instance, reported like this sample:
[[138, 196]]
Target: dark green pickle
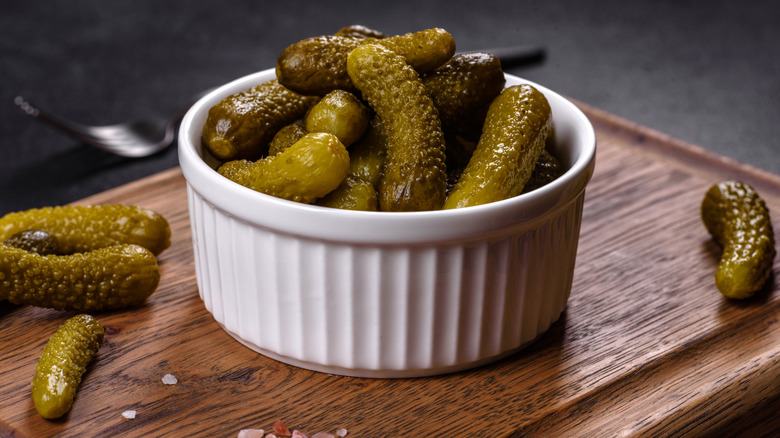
[[738, 219], [353, 194], [242, 125], [287, 136], [62, 365], [547, 169], [317, 65]]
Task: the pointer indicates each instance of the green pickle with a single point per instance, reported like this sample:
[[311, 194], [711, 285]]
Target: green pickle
[[317, 65], [547, 169], [339, 113], [464, 85], [367, 156], [62, 364], [738, 219], [309, 169], [287, 136], [353, 194], [414, 173], [359, 31], [107, 278], [513, 137], [242, 125], [80, 228]]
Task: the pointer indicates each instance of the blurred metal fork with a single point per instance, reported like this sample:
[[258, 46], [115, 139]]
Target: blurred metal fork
[[144, 137]]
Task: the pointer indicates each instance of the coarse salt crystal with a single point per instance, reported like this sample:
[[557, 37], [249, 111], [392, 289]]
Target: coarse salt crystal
[[251, 433], [341, 432], [170, 379], [323, 435], [299, 434], [128, 414]]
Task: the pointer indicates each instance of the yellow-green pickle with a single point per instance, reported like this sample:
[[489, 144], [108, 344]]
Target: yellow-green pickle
[[513, 137], [414, 174], [62, 364], [738, 219], [80, 228], [339, 113], [309, 169], [107, 278], [37, 241]]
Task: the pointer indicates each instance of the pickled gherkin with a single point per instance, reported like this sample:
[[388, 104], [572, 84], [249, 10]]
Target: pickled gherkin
[[414, 173], [464, 85], [738, 219], [107, 278], [81, 228], [318, 65], [242, 125], [339, 113], [514, 135], [309, 169], [62, 364], [353, 194], [287, 136], [367, 156]]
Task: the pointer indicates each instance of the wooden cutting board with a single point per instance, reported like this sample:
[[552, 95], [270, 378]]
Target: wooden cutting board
[[646, 347]]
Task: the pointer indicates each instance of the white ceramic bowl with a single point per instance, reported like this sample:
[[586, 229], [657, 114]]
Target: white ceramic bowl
[[377, 294]]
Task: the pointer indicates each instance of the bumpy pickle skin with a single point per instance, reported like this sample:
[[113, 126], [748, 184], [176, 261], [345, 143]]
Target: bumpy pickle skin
[[464, 85], [242, 125], [80, 228], [353, 194], [317, 65], [359, 31], [547, 169], [108, 278], [309, 169], [414, 174], [514, 135], [339, 113], [738, 219], [62, 364]]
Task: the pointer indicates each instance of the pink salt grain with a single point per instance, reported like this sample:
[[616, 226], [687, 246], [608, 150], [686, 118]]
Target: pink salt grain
[[299, 434], [251, 433], [341, 432], [323, 435]]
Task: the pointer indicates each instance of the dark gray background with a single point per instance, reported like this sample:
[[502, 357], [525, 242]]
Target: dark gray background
[[702, 71]]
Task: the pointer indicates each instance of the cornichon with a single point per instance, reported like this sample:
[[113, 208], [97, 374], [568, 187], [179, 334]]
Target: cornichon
[[738, 219], [287, 136], [102, 279], [513, 137], [367, 156], [62, 364], [309, 169], [242, 125], [318, 65], [80, 228], [353, 194], [359, 31], [339, 113], [414, 173], [464, 85]]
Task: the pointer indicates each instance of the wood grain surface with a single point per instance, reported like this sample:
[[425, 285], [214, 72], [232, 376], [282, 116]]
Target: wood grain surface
[[646, 347]]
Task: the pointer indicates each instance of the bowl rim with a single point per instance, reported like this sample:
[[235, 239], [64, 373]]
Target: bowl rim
[[350, 226]]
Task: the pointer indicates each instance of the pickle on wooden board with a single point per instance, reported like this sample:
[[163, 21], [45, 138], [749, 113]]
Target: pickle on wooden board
[[37, 241], [62, 364], [309, 169], [107, 278], [464, 85], [242, 125], [80, 228], [738, 219], [317, 65], [414, 174], [353, 194], [514, 135], [339, 113]]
